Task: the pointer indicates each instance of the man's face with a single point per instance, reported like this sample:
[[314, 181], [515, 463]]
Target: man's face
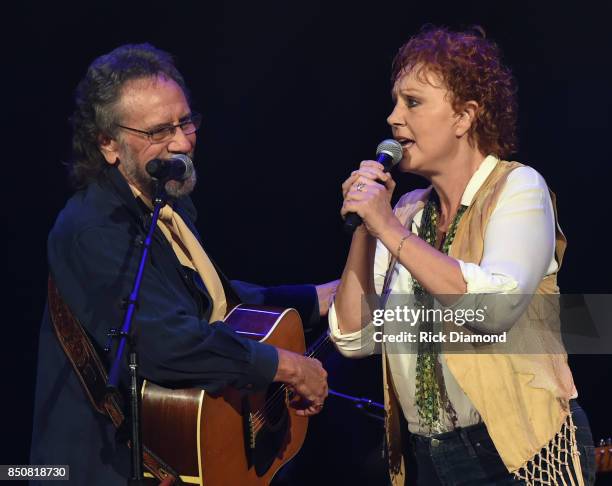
[[147, 104]]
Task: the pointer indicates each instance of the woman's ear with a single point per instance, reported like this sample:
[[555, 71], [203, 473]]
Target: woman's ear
[[466, 117]]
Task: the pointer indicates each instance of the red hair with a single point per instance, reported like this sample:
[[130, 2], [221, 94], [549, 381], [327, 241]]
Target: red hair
[[471, 69]]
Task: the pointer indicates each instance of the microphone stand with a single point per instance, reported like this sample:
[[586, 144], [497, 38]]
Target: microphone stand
[[127, 338]]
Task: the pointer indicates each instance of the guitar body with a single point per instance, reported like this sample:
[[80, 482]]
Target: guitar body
[[231, 438], [603, 456]]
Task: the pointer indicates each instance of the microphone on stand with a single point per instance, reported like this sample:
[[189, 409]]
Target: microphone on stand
[[388, 153], [177, 168]]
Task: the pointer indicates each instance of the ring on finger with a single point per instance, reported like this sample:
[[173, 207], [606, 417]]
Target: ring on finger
[[360, 186]]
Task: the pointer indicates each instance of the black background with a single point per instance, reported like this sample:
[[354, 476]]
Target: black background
[[294, 95]]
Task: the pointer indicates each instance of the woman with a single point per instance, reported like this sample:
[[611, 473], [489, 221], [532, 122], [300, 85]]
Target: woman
[[484, 227]]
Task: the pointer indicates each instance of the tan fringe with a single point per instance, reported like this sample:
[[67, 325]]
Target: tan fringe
[[551, 466]]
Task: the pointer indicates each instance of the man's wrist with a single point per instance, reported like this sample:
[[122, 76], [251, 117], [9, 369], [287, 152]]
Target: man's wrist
[[286, 372]]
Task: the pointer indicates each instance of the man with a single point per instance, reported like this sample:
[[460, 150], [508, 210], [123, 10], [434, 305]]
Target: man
[[132, 107]]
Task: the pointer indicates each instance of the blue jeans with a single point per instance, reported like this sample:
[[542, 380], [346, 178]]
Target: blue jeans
[[468, 457]]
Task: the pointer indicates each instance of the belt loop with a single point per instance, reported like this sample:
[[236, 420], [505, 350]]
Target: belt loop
[[466, 442]]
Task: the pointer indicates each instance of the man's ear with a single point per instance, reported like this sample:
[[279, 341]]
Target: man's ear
[[466, 117], [109, 148]]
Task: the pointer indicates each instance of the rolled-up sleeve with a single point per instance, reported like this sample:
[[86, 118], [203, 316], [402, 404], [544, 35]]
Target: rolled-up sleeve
[[353, 344], [361, 343], [519, 248]]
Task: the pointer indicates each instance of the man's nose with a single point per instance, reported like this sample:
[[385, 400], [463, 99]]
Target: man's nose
[[180, 142]]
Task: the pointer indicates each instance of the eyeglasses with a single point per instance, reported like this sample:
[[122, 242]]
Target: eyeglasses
[[166, 132]]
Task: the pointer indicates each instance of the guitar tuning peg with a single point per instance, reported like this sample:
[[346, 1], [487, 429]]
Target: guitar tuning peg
[[602, 442]]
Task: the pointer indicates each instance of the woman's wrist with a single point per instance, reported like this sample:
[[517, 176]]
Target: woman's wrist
[[398, 251], [361, 232], [393, 235]]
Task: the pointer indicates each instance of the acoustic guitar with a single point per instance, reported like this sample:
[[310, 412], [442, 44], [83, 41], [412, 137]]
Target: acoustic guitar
[[230, 438], [603, 456]]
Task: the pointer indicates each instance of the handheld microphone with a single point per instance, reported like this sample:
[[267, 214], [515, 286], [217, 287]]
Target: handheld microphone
[[177, 168], [388, 153]]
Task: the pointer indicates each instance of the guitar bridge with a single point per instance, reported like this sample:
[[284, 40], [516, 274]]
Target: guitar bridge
[[266, 424], [252, 433]]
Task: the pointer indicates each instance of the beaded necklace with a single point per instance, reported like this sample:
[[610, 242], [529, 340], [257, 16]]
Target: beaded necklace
[[430, 396]]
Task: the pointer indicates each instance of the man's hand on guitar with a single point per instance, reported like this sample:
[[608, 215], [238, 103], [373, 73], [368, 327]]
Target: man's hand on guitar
[[306, 377]]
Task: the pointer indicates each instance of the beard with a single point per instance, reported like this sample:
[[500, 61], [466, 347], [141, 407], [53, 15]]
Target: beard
[[182, 188], [136, 174]]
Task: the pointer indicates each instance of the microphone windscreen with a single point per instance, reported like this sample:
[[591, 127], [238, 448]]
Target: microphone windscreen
[[188, 165], [179, 167], [153, 167], [392, 148]]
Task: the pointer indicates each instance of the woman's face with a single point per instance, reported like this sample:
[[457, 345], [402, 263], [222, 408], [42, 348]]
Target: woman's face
[[424, 122]]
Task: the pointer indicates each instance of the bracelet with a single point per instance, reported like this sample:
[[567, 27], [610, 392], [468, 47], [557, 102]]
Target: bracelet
[[401, 243]]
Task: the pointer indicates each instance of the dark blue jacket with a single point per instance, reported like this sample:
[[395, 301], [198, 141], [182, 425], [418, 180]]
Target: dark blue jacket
[[93, 257]]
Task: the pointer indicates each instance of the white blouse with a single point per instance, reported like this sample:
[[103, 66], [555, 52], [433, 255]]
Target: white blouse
[[519, 250]]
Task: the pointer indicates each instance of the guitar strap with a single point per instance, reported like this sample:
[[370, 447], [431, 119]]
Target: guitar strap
[[92, 375]]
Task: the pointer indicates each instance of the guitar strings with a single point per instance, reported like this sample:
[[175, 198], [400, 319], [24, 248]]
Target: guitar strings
[[259, 417], [313, 350]]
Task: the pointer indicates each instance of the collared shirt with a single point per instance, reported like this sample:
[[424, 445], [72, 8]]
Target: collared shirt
[[518, 252], [189, 252]]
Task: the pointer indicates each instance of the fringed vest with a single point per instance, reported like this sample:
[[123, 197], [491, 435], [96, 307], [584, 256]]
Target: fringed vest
[[522, 398]]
